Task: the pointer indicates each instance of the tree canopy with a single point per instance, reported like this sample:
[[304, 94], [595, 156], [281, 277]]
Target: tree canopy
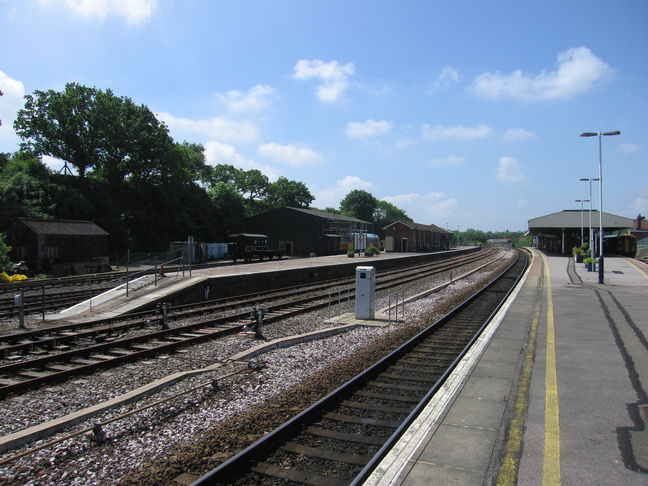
[[134, 180], [359, 204]]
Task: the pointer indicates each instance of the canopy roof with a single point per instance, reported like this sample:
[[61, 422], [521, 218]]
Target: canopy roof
[[571, 218]]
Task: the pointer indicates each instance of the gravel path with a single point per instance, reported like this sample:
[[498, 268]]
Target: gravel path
[[197, 431]]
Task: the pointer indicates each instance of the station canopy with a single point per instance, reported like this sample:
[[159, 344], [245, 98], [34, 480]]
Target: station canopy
[[571, 218]]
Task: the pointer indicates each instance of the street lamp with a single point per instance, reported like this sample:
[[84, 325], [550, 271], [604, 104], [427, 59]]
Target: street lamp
[[591, 244], [582, 201], [600, 136]]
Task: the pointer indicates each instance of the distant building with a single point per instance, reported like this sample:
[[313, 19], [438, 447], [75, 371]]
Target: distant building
[[559, 232], [62, 247], [301, 232], [405, 236]]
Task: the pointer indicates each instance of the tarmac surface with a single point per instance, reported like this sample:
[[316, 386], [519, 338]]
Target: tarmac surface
[[555, 391]]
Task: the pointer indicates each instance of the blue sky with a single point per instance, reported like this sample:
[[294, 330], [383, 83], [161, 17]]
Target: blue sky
[[464, 114]]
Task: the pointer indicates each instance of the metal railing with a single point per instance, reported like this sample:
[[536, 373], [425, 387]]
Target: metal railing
[[343, 296], [396, 301]]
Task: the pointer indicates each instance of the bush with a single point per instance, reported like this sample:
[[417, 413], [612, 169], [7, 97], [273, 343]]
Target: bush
[[5, 262], [372, 250]]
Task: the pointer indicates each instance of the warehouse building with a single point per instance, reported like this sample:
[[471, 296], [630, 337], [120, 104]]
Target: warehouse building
[[302, 232], [406, 236], [61, 247]]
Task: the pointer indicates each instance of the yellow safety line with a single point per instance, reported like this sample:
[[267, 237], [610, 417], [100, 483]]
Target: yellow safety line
[[551, 464], [638, 269], [508, 468]]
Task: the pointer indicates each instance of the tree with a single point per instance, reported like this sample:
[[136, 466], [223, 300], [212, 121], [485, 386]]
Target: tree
[[223, 173], [253, 183], [229, 205], [387, 213], [5, 262], [284, 192], [359, 204], [25, 189], [96, 130]]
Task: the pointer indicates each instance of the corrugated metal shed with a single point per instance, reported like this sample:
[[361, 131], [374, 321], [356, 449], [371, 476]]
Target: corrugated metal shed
[[63, 227]]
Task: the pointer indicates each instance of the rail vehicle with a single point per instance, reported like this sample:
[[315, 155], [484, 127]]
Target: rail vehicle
[[250, 246], [624, 245], [359, 241]]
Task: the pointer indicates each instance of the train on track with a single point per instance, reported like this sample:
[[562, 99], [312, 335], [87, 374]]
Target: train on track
[[250, 246], [623, 245]]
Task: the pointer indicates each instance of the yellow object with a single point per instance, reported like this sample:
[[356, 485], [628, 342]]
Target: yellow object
[[13, 278]]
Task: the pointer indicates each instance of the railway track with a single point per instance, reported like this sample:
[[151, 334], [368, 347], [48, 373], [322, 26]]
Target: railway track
[[340, 439], [51, 357], [43, 339], [48, 301]]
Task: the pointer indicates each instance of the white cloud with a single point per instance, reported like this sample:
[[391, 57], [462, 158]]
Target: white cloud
[[440, 132], [224, 153], [217, 128], [517, 134], [370, 128], [331, 197], [452, 160], [577, 72], [11, 101], [255, 99], [510, 170], [629, 148], [402, 143], [289, 154], [431, 208], [133, 11], [334, 77], [640, 203], [522, 203], [448, 76]]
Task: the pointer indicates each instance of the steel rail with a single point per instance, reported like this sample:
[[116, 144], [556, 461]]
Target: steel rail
[[130, 349], [248, 459], [213, 305]]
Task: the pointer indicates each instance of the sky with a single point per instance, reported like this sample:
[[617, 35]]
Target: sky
[[465, 114]]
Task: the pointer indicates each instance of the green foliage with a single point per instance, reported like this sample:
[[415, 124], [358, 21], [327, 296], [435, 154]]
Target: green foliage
[[387, 213], [134, 180], [359, 204], [284, 192], [371, 250], [26, 189], [229, 205], [5, 262], [523, 241], [96, 131]]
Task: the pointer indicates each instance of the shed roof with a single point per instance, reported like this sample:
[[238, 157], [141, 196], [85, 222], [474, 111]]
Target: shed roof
[[419, 226], [326, 215], [571, 218], [63, 227]]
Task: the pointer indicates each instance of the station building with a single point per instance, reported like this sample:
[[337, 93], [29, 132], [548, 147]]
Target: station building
[[301, 232], [406, 236], [558, 233]]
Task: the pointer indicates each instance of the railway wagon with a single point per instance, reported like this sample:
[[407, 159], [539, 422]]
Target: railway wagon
[[625, 245], [250, 246]]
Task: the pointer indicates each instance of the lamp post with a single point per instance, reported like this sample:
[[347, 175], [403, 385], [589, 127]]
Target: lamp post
[[590, 214], [581, 201], [600, 136]]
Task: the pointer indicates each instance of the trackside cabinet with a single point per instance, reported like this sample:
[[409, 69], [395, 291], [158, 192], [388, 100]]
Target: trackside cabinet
[[365, 290]]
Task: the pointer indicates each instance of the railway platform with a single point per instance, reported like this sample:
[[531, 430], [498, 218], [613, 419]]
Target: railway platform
[[555, 392]]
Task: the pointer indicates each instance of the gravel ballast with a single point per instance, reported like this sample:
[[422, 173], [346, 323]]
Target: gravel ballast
[[198, 430]]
